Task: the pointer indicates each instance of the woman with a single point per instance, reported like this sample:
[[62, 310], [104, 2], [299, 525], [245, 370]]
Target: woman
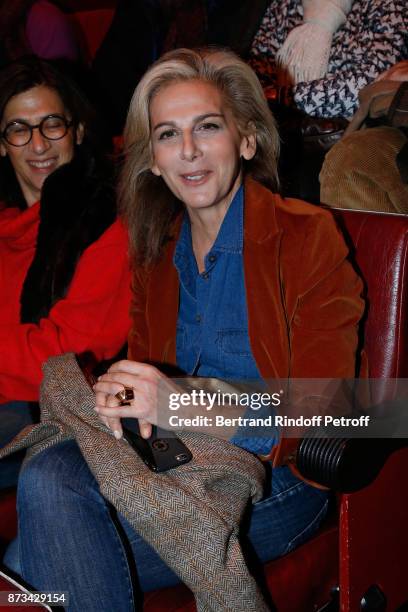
[[57, 228], [230, 281]]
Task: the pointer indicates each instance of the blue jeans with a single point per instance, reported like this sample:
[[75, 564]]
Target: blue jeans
[[70, 539]]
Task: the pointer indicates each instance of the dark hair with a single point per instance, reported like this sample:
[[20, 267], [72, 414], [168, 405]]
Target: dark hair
[[24, 74]]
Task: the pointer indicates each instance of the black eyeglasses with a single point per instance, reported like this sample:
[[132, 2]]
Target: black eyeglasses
[[52, 127]]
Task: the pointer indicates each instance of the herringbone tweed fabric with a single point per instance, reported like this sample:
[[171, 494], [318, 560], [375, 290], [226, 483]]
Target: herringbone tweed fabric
[[190, 514]]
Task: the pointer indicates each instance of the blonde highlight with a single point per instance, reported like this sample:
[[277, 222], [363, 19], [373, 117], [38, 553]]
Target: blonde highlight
[[145, 202]]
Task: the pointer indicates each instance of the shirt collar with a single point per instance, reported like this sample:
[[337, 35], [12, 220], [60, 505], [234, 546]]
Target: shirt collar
[[230, 238]]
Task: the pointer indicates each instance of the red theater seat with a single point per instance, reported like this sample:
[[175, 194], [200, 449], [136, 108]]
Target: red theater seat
[[360, 555], [92, 26]]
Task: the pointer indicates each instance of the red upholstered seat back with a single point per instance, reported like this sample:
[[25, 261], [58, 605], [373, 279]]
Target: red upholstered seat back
[[92, 27], [379, 243]]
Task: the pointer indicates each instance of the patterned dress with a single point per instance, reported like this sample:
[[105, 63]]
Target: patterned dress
[[374, 37]]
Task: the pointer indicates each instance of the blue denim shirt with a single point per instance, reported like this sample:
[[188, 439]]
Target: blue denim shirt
[[212, 327]]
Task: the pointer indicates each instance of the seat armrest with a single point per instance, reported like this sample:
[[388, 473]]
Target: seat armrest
[[344, 465]]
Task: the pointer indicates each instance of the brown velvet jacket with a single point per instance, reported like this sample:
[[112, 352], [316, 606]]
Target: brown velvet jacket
[[303, 295]]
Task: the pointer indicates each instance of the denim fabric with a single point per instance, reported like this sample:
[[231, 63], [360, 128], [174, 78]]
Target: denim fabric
[[71, 540], [212, 327], [14, 416]]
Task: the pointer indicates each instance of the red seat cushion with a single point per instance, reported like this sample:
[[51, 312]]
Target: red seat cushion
[[297, 581], [8, 522]]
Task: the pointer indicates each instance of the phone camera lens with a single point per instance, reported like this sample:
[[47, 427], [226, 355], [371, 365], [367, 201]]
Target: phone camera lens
[[160, 445]]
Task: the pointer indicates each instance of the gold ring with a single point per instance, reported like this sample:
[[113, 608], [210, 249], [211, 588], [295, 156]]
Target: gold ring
[[125, 396]]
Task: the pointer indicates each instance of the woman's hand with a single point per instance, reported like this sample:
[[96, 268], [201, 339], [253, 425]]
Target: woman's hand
[[149, 385]]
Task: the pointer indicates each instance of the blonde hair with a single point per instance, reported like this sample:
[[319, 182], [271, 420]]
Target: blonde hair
[[145, 202]]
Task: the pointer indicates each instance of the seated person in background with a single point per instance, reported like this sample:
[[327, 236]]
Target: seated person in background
[[230, 281], [64, 273], [313, 57], [38, 27], [368, 169], [328, 51]]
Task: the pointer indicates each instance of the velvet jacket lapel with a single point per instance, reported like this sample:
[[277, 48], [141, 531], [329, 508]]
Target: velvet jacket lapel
[[266, 312], [267, 326]]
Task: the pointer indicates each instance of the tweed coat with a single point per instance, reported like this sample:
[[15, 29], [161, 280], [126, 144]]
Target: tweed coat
[[190, 515]]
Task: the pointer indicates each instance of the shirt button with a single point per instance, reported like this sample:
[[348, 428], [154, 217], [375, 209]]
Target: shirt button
[[205, 275], [198, 318], [212, 258]]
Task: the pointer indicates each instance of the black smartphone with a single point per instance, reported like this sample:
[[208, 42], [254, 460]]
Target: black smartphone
[[161, 452]]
